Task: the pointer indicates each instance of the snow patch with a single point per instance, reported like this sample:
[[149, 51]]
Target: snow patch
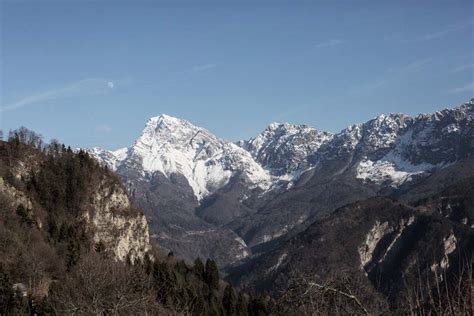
[[391, 168]]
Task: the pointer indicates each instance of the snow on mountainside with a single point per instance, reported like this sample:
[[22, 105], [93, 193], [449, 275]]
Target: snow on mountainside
[[389, 149], [110, 158], [274, 185], [169, 145], [417, 145], [283, 149]]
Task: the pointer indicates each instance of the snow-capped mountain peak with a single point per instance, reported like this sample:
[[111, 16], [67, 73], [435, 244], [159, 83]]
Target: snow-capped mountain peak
[[175, 146], [282, 151]]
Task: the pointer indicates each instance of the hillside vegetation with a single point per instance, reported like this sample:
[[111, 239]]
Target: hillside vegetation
[[72, 243]]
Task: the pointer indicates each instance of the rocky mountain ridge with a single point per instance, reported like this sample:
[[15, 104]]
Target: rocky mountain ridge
[[264, 190], [380, 240], [384, 156], [173, 146]]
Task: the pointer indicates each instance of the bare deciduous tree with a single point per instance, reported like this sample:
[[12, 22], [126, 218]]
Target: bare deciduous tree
[[341, 294], [95, 288], [27, 137]]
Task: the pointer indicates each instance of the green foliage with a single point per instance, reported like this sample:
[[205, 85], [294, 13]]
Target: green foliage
[[73, 252], [211, 275], [258, 306], [229, 301], [198, 268], [147, 263], [50, 246], [241, 307], [196, 290], [61, 182]]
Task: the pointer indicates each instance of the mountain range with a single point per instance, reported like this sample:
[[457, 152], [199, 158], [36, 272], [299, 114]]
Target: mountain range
[[207, 197]]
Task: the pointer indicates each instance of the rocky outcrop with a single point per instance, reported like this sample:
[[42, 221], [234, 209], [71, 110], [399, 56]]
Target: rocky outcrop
[[122, 230], [384, 242], [273, 186], [102, 203], [16, 197]]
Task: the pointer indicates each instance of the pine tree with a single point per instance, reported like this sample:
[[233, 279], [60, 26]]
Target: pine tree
[[211, 274], [147, 263], [241, 308], [229, 301], [198, 268], [73, 252]]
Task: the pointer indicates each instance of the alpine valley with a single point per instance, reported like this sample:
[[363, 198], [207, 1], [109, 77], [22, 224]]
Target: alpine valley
[[258, 202], [376, 219]]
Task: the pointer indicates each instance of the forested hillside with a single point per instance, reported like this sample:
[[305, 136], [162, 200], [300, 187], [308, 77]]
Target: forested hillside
[[72, 243]]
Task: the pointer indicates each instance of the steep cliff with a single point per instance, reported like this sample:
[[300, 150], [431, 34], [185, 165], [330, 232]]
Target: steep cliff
[[121, 230], [72, 243], [57, 187]]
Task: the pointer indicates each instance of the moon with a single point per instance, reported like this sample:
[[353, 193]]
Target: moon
[[110, 84]]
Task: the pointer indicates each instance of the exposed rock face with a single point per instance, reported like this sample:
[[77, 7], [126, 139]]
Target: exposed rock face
[[271, 187], [450, 244], [373, 237], [368, 259], [420, 145], [389, 242], [170, 146], [16, 197], [171, 168], [123, 232], [284, 149], [389, 155], [106, 209]]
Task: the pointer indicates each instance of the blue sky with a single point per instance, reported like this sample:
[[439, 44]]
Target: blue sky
[[90, 73]]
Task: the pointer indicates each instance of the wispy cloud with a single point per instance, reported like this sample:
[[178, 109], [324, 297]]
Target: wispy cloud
[[85, 87], [104, 128], [463, 67], [293, 111], [187, 73], [201, 68], [414, 66], [466, 88], [441, 33], [332, 42], [367, 87], [392, 74]]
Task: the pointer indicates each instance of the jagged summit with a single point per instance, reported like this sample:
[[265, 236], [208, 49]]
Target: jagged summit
[[285, 126], [167, 131], [284, 151], [183, 174], [174, 146], [283, 148], [167, 121], [164, 116]]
